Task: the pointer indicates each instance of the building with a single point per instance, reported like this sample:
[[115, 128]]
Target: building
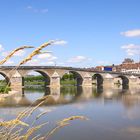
[[129, 66]]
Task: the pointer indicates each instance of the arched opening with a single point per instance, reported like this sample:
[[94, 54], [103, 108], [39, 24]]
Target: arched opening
[[98, 79], [125, 80], [4, 83], [37, 79], [72, 78], [122, 81]]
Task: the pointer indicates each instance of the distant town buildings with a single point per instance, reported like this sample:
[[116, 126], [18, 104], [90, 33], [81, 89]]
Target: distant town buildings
[[127, 66]]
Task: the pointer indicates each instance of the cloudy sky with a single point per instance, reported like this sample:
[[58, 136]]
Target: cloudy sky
[[92, 32]]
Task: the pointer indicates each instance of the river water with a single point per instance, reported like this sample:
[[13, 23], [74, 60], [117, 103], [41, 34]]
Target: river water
[[114, 113]]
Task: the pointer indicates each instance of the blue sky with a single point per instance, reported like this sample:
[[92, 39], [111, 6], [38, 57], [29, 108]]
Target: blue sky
[[93, 32]]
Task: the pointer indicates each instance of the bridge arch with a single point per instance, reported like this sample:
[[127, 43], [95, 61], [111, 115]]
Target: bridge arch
[[125, 80], [77, 76], [46, 77], [6, 78], [99, 79]]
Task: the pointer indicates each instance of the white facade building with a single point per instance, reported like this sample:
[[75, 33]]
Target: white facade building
[[136, 71]]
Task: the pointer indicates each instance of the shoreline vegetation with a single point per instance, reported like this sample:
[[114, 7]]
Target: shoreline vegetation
[[4, 89], [39, 80]]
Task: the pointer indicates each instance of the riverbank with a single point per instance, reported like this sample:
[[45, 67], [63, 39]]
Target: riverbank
[[10, 93], [42, 83]]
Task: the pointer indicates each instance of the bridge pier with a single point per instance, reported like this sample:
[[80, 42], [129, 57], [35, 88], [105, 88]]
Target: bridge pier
[[55, 80], [87, 80], [16, 81], [134, 80], [108, 82]]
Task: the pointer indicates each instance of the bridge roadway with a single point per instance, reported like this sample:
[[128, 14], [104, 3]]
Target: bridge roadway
[[66, 68], [53, 74]]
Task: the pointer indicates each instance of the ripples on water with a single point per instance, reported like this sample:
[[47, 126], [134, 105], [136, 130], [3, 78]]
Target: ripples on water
[[114, 113]]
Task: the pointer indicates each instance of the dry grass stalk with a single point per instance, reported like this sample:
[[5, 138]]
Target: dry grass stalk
[[41, 100], [54, 130], [36, 137], [31, 131], [16, 134], [29, 110], [63, 123], [66, 120], [35, 52], [41, 114], [38, 116], [7, 132], [13, 122], [12, 53], [32, 110]]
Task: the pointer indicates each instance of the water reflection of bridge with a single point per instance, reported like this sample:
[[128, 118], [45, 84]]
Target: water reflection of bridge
[[68, 95]]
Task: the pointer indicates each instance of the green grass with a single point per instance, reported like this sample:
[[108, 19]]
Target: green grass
[[34, 83], [68, 82], [4, 89]]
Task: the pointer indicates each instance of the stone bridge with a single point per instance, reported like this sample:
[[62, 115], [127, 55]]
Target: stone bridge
[[15, 76]]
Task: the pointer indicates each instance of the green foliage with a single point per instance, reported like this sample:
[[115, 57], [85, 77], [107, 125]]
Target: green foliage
[[4, 89], [34, 78], [67, 76], [68, 79], [3, 83], [68, 82]]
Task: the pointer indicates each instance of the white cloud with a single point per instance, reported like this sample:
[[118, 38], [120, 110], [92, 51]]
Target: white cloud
[[4, 54], [60, 64], [44, 10], [52, 58], [60, 42], [131, 33], [47, 56], [20, 53], [36, 62], [1, 48], [50, 63], [103, 62], [130, 46], [131, 52], [29, 7], [131, 49], [78, 59], [33, 62], [9, 62], [36, 10]]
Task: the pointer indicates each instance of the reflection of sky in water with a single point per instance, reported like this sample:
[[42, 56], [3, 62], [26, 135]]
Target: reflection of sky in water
[[113, 113], [34, 96]]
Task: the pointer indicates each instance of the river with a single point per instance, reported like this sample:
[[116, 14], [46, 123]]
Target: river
[[114, 113]]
